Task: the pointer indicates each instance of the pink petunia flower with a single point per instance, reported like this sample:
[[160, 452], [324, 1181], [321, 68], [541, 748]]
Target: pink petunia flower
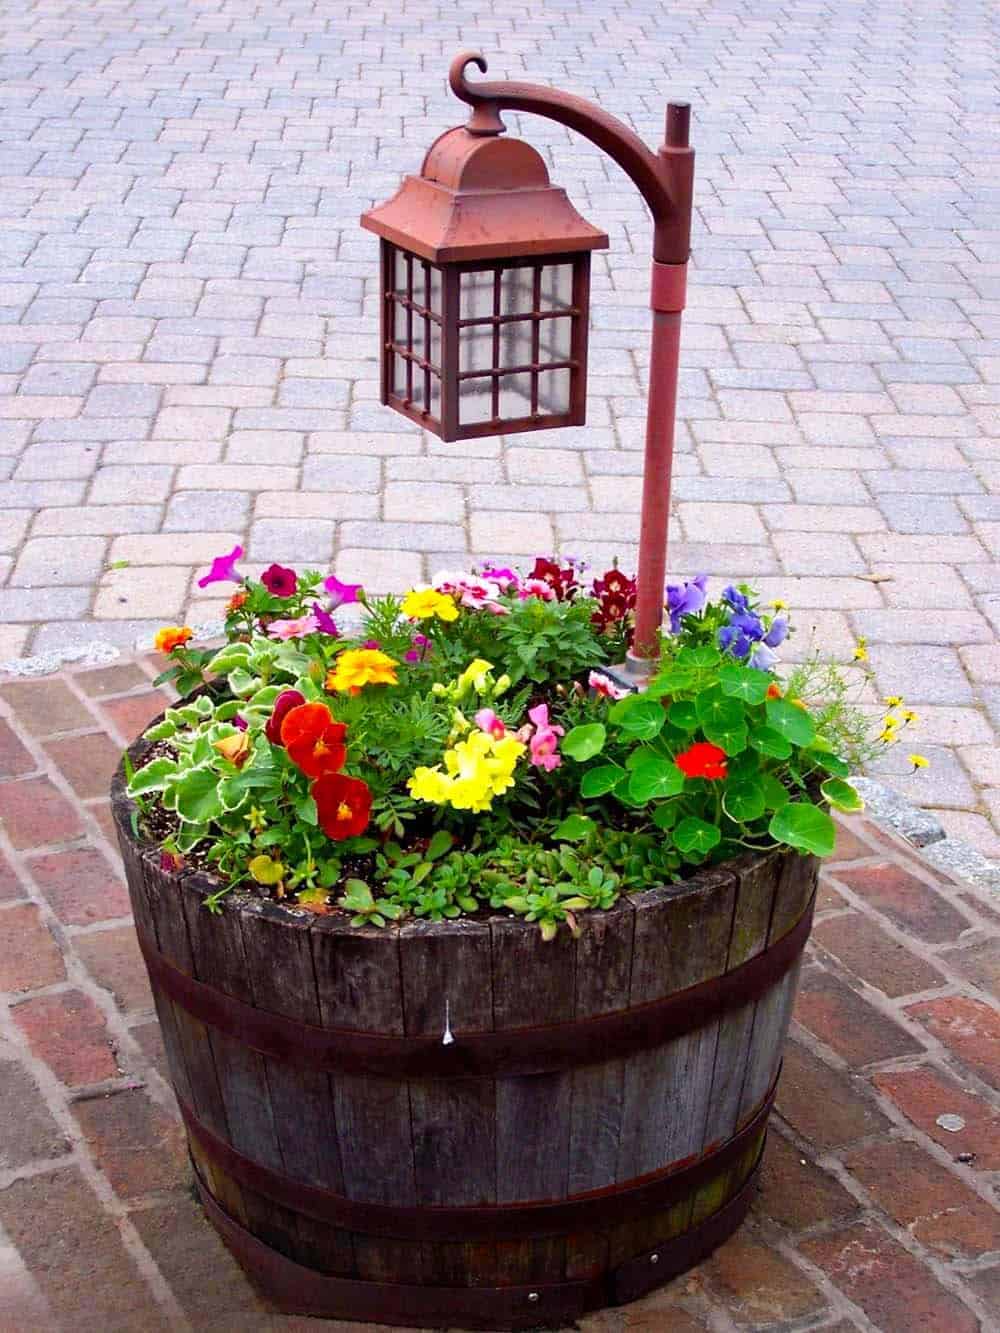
[[341, 594], [279, 581], [604, 686], [486, 720], [221, 570], [544, 743], [293, 629]]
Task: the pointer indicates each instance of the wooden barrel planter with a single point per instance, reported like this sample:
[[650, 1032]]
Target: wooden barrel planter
[[590, 1124]]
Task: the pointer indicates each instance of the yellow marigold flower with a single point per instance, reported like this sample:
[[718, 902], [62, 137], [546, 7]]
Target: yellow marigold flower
[[861, 651], [171, 637], [357, 667], [893, 701], [918, 761], [423, 603]]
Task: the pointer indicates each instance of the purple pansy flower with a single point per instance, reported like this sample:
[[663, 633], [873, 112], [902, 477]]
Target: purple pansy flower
[[732, 640], [763, 658], [736, 599], [749, 624], [221, 570], [341, 593], [686, 600]]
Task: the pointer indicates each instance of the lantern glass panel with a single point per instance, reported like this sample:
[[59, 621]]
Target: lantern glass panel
[[553, 392], [557, 287], [515, 396], [517, 290], [475, 400]]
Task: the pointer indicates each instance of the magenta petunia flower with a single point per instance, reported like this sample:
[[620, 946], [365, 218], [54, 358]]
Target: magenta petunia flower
[[371, 643], [279, 581], [341, 594], [222, 570], [325, 623]]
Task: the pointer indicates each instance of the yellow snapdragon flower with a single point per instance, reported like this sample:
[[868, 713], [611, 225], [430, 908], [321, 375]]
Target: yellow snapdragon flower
[[476, 769]]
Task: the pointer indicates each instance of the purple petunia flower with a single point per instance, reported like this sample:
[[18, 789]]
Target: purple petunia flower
[[686, 600], [325, 623], [778, 632], [221, 570], [341, 594]]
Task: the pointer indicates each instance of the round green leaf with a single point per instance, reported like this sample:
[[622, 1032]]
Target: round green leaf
[[654, 777], [665, 816], [599, 781], [775, 792], [731, 739], [745, 683], [694, 835], [683, 715], [716, 709], [744, 803], [770, 742], [790, 721], [842, 795], [584, 742], [638, 716], [803, 826], [574, 827]]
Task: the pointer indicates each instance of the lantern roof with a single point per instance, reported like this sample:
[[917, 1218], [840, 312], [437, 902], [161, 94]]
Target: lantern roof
[[482, 197]]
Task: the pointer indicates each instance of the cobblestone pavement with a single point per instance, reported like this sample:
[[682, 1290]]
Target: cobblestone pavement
[[874, 1215], [189, 319]]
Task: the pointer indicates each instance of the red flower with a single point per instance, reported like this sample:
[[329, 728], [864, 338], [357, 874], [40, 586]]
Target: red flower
[[315, 743], [615, 594], [279, 582], [702, 760], [343, 804], [283, 705], [562, 581]]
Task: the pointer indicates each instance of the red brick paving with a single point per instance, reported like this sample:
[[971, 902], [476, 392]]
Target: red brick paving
[[865, 1219]]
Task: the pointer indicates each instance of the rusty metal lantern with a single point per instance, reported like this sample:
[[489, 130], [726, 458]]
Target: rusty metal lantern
[[485, 285]]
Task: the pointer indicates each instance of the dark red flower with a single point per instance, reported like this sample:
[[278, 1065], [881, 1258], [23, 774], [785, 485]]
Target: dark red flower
[[343, 804], [280, 582], [315, 743], [702, 760], [562, 581], [283, 705], [615, 594]]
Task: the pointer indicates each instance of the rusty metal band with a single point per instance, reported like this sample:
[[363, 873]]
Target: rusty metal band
[[668, 287], [295, 1289], [511, 1053], [593, 1211]]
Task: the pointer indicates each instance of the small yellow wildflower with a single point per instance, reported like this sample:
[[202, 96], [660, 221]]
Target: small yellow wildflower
[[890, 722], [861, 651], [893, 701], [357, 667], [908, 716], [918, 761], [423, 603], [888, 736], [778, 604]]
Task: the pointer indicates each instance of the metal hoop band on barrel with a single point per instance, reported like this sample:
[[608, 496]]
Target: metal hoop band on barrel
[[506, 1054], [521, 1221], [296, 1289]]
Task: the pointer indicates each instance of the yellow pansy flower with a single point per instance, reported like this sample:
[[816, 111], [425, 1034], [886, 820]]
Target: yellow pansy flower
[[423, 603]]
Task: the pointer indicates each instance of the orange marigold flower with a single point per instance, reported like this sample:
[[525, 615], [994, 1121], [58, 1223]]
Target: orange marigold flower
[[702, 760], [171, 637], [315, 743], [343, 804], [237, 600], [358, 667]]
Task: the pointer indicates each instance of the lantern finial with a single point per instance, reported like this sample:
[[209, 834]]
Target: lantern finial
[[485, 118]]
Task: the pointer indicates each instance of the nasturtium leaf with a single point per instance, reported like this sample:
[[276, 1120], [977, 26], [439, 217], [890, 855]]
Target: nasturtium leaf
[[584, 742], [654, 777], [745, 683], [664, 816], [732, 739], [794, 723], [702, 658], [638, 716], [770, 742], [832, 763], [694, 835], [574, 828], [803, 826], [842, 795], [718, 710], [154, 777], [684, 715], [198, 796], [744, 803], [775, 792], [599, 781]]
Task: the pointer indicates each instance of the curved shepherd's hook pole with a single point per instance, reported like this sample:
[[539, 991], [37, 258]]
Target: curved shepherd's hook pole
[[665, 181]]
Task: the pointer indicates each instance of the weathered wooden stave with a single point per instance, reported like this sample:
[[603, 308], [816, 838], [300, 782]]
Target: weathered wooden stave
[[473, 1141]]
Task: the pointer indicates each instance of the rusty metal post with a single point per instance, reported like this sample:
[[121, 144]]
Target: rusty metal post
[[668, 284]]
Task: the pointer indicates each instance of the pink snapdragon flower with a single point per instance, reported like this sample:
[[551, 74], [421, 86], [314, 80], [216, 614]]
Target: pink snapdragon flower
[[604, 686], [293, 629], [544, 743], [486, 720]]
